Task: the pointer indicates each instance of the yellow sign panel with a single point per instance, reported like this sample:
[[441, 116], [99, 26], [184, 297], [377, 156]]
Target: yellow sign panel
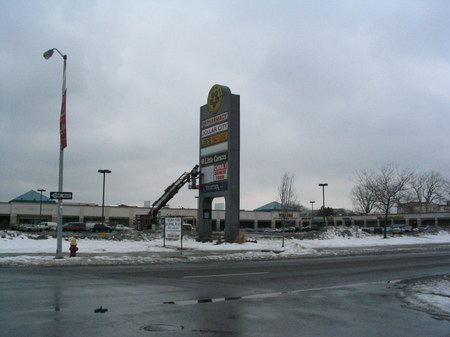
[[216, 139], [215, 98]]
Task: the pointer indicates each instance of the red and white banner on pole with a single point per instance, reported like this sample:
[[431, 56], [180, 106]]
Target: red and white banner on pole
[[62, 122]]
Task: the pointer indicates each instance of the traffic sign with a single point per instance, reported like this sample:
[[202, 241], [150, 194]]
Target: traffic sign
[[60, 195]]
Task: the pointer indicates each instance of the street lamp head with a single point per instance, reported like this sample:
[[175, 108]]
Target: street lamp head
[[41, 190], [104, 171], [48, 53], [312, 202], [323, 184]]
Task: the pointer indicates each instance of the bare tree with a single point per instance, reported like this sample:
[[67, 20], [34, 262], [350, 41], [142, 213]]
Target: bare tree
[[286, 192], [287, 196], [363, 198], [388, 186], [429, 187]]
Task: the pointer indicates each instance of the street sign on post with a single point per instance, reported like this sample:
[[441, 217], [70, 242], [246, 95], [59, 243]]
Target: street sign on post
[[60, 195]]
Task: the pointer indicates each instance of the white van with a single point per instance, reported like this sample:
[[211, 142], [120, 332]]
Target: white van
[[47, 226]]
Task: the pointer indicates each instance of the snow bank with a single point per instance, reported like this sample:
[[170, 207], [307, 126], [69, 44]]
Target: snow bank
[[429, 294], [14, 246]]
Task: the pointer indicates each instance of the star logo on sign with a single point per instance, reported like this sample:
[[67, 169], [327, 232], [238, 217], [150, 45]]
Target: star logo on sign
[[215, 99]]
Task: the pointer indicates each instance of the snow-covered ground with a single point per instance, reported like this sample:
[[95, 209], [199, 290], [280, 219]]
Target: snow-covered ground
[[18, 248], [430, 294]]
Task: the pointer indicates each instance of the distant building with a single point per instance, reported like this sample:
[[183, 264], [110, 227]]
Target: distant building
[[270, 207], [421, 207], [32, 196]]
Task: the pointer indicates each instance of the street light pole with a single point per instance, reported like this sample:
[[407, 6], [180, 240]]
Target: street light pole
[[103, 197], [323, 200], [40, 205], [63, 144], [312, 212]]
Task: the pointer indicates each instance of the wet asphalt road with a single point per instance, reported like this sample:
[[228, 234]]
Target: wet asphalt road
[[333, 296]]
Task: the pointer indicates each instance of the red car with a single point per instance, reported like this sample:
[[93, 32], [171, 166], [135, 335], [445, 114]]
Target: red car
[[74, 227]]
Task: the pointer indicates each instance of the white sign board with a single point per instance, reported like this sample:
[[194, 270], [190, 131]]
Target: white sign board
[[172, 229]]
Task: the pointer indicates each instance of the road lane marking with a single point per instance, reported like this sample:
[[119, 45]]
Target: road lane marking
[[226, 275], [204, 300], [270, 295]]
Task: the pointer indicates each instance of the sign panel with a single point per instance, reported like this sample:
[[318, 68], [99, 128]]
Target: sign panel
[[212, 130], [172, 229], [215, 120], [215, 172], [220, 171], [214, 149], [62, 122], [60, 195], [219, 138], [287, 216], [215, 187], [212, 159]]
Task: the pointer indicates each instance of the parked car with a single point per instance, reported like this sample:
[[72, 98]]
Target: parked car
[[422, 229], [407, 228], [90, 225], [28, 228], [272, 230], [313, 227], [74, 227], [98, 227], [47, 226], [396, 229], [120, 228], [42, 226], [188, 228], [378, 230]]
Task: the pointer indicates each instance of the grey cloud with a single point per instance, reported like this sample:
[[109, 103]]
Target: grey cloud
[[327, 88]]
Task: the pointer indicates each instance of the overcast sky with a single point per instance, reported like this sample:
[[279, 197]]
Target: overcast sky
[[327, 89]]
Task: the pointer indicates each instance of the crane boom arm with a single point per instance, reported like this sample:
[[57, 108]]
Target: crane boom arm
[[173, 189]]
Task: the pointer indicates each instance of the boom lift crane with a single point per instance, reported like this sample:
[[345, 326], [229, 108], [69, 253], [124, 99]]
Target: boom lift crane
[[169, 193]]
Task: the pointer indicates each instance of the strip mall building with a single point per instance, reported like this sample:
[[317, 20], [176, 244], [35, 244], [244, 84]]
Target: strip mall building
[[29, 209]]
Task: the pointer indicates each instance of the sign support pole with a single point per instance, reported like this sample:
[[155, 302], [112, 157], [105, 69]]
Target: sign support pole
[[164, 236]]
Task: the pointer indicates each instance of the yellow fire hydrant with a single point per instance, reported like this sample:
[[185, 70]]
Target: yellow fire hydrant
[[73, 247]]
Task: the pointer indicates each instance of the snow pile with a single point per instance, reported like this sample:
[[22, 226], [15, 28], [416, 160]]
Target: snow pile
[[343, 232], [430, 294], [33, 249]]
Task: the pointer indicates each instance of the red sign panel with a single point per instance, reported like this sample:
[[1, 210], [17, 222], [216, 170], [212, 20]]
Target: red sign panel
[[62, 122]]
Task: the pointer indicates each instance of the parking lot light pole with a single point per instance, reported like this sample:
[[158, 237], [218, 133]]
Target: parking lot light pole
[[312, 212], [40, 204], [63, 144], [103, 197], [323, 200]]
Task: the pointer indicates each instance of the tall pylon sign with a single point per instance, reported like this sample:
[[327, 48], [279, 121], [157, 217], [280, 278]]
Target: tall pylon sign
[[219, 160]]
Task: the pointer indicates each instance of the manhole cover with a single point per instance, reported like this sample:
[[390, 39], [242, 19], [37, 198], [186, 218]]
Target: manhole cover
[[161, 327]]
